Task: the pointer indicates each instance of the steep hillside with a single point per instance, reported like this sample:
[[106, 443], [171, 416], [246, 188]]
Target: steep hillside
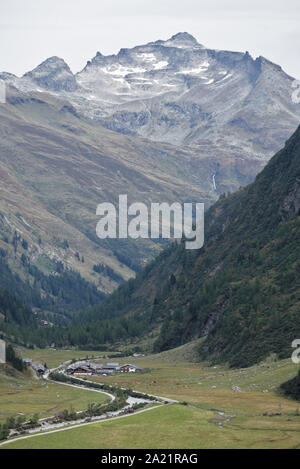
[[291, 388], [56, 167], [241, 290], [16, 319]]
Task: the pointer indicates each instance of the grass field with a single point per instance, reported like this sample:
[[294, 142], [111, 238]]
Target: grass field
[[19, 394], [211, 387], [170, 427], [216, 416]]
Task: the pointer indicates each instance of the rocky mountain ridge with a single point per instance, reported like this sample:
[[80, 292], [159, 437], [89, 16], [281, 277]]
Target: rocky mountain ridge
[[177, 91]]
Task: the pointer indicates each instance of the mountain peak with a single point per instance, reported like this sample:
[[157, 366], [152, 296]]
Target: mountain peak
[[53, 62], [53, 74], [183, 39], [183, 36]]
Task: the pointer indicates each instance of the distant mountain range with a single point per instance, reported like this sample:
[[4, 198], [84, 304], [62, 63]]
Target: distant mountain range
[[225, 104]]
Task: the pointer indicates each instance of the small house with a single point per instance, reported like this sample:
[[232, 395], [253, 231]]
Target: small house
[[110, 367], [82, 370], [38, 368], [96, 368], [129, 368], [27, 361]]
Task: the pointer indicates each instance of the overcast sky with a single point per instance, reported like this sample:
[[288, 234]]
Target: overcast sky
[[33, 30]]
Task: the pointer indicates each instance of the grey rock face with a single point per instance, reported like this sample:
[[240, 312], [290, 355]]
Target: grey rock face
[[291, 204], [179, 92], [53, 75]]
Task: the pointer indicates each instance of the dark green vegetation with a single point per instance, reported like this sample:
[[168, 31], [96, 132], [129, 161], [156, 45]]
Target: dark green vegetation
[[13, 358], [121, 393], [13, 311], [241, 290], [107, 272], [55, 297], [17, 424], [291, 388], [63, 291]]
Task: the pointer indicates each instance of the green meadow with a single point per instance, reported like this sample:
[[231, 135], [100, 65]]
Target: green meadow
[[27, 395], [171, 427], [218, 408]]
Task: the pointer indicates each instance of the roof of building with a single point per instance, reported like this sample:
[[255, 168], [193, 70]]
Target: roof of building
[[83, 367], [96, 366], [76, 365], [38, 367], [132, 366]]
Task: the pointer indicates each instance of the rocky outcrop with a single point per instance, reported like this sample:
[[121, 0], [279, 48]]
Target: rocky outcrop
[[53, 75], [291, 203]]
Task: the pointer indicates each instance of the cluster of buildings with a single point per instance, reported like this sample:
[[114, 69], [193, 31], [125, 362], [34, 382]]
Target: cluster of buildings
[[89, 369], [86, 368]]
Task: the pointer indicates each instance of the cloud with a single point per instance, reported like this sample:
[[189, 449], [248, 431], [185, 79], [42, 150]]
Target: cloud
[[33, 30]]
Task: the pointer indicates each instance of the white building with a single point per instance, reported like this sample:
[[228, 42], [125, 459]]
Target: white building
[[2, 351]]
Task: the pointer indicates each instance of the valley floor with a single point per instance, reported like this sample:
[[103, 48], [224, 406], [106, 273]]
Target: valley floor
[[26, 395], [172, 427], [219, 408]]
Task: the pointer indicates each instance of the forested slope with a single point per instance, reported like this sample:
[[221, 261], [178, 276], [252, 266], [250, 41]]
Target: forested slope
[[241, 290]]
